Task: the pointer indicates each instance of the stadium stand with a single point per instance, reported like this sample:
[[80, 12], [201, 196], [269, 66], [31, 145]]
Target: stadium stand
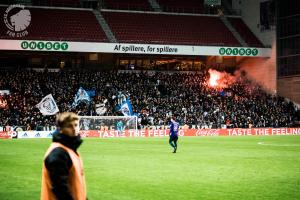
[[127, 5], [192, 6], [169, 29], [57, 24], [82, 25], [245, 32], [243, 104]]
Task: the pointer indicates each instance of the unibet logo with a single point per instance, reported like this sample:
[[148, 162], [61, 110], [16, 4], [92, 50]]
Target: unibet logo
[[248, 52], [222, 51], [235, 51], [228, 51], [49, 46], [238, 51], [254, 52], [242, 52]]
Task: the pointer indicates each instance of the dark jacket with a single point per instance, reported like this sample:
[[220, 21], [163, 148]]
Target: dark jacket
[[58, 164]]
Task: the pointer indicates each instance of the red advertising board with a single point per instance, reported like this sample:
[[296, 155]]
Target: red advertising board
[[5, 135], [192, 132], [182, 132]]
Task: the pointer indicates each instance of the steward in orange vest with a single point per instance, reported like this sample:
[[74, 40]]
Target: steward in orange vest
[[62, 174]]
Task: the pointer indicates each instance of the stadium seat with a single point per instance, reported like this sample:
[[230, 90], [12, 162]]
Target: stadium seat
[[169, 29], [245, 32], [68, 25]]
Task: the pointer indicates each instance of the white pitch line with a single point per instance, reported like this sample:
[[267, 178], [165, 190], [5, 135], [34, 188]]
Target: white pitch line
[[279, 145]]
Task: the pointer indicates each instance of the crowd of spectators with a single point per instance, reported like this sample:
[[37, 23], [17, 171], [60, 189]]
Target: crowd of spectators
[[154, 96]]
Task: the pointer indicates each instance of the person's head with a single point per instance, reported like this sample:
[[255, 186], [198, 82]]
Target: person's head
[[68, 123], [173, 118]]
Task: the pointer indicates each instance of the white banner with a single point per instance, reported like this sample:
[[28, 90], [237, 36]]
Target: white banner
[[48, 106], [3, 92], [101, 109], [35, 134], [133, 48]]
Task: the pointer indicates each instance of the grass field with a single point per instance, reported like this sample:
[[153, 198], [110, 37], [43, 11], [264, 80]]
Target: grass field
[[145, 169]]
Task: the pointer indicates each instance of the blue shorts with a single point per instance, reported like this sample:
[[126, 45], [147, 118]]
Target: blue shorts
[[173, 138]]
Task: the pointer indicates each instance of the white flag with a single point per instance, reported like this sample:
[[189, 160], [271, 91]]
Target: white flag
[[48, 106], [101, 107]]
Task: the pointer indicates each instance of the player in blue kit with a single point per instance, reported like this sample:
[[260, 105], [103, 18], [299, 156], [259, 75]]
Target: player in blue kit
[[174, 127], [120, 127]]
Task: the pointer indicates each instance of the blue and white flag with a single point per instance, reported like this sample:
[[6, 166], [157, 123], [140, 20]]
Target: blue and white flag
[[121, 98], [48, 106], [126, 108], [91, 93], [81, 96]]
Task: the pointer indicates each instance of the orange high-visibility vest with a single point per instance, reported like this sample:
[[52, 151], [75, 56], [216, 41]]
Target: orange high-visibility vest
[[76, 176]]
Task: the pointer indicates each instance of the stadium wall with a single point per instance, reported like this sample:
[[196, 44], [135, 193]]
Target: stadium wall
[[289, 87], [250, 12], [261, 70]]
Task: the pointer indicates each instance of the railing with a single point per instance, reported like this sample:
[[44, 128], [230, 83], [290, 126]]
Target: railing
[[127, 7], [25, 128]]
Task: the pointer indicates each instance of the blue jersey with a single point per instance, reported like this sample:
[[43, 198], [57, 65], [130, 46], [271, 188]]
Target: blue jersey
[[174, 127]]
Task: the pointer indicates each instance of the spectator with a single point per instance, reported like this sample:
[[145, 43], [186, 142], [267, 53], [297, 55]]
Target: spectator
[[243, 104]]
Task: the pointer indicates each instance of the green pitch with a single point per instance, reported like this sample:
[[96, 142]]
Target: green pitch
[[145, 169]]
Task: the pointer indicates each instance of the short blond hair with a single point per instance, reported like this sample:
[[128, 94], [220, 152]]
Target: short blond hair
[[63, 118]]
